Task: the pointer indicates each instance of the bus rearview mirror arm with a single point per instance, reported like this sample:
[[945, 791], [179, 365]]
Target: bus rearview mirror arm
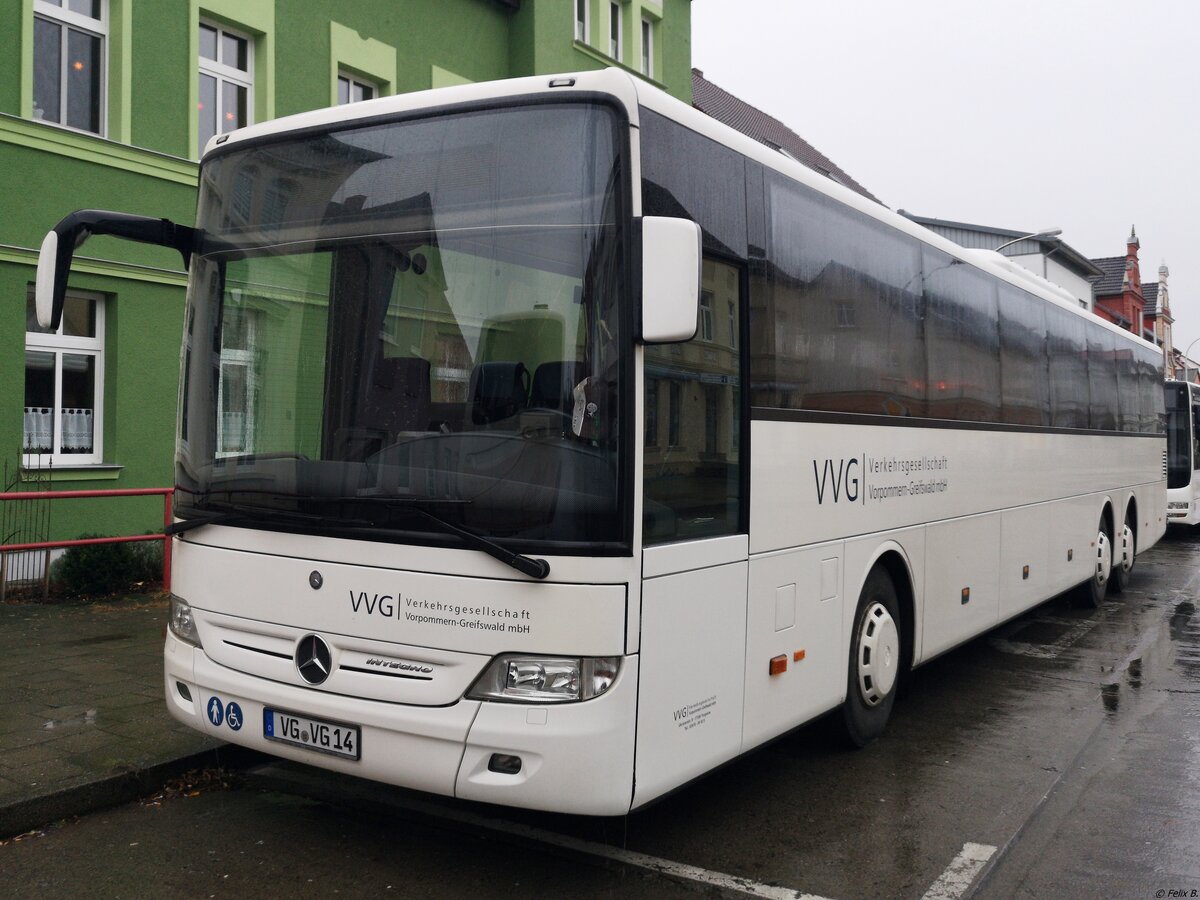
[[670, 262], [59, 245]]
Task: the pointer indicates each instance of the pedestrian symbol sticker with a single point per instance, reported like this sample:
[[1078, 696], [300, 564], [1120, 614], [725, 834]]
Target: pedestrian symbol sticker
[[233, 716], [216, 712]]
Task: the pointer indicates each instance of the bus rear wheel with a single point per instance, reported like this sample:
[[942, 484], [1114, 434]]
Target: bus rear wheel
[[1124, 553], [875, 657], [1091, 592]]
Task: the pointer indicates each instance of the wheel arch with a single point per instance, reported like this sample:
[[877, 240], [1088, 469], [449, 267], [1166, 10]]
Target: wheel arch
[[893, 559], [1106, 513], [1131, 515]]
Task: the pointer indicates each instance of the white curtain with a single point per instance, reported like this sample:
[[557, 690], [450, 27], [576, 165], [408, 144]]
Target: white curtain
[[76, 429], [39, 429]]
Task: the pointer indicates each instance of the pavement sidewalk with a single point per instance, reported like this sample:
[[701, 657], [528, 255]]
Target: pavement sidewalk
[[83, 724]]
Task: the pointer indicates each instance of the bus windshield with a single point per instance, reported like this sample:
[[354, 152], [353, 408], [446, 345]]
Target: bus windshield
[[395, 330], [1182, 442]]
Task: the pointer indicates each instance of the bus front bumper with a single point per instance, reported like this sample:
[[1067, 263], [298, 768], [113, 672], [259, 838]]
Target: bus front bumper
[[574, 757]]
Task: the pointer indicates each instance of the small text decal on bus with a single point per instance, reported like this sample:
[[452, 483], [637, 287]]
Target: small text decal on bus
[[839, 479]]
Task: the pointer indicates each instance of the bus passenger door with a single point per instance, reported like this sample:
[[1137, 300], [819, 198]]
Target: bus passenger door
[[694, 531]]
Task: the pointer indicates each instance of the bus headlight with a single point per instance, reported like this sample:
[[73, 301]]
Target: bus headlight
[[182, 623], [545, 679]]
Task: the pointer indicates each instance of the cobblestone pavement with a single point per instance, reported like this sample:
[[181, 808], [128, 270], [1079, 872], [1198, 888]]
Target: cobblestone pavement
[[82, 718]]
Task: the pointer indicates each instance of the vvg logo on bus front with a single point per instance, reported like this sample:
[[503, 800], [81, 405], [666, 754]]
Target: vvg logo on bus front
[[838, 480]]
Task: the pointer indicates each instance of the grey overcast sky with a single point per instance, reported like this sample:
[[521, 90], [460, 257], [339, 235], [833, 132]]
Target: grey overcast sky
[[1079, 114]]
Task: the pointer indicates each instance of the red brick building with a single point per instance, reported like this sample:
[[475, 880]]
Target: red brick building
[[1118, 292]]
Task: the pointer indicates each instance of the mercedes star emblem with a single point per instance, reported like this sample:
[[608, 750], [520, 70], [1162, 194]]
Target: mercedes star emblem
[[313, 659]]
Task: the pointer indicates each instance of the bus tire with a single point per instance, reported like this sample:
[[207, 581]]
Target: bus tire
[[1124, 553], [1091, 593], [875, 659]]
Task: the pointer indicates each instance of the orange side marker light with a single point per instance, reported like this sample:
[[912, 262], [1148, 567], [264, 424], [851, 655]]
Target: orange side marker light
[[798, 656], [778, 665]]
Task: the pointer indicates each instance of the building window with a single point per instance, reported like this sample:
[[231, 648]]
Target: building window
[[581, 20], [647, 48], [352, 89], [226, 82], [69, 62], [614, 30], [652, 413], [733, 328], [706, 315], [237, 390], [674, 413], [64, 378]]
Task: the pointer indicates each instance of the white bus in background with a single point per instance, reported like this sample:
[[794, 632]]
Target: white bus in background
[[1183, 453], [547, 443]]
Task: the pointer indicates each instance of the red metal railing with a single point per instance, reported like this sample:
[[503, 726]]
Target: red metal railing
[[166, 493]]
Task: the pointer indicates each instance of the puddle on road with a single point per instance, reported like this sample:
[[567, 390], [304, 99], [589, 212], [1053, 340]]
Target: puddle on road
[[1174, 645]]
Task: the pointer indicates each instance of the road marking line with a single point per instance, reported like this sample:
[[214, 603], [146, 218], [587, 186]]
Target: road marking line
[[632, 858], [962, 870]]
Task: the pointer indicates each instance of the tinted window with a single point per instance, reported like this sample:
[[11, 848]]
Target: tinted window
[[1150, 377], [1067, 342], [1129, 405], [963, 340], [839, 327], [1102, 378], [1179, 436], [690, 176], [1024, 381], [693, 396]]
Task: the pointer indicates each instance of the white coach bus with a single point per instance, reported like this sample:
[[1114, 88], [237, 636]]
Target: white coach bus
[[1183, 453], [547, 443]]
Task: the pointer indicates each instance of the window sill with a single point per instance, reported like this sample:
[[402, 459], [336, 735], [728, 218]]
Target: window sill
[[97, 472], [65, 141], [601, 57]]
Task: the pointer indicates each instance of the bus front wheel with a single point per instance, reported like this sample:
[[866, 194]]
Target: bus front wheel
[[875, 657]]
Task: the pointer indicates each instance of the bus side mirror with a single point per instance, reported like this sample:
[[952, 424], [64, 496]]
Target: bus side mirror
[[51, 282], [670, 279], [54, 259]]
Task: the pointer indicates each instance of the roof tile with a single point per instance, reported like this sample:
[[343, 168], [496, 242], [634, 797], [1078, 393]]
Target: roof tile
[[725, 107]]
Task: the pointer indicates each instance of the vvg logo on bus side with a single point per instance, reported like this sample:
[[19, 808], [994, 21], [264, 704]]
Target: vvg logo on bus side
[[840, 479]]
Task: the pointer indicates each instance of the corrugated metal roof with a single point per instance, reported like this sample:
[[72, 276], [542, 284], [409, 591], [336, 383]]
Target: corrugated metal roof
[[986, 237], [725, 107]]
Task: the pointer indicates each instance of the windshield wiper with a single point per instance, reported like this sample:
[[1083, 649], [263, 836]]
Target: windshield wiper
[[527, 565], [534, 568], [188, 524], [244, 512]]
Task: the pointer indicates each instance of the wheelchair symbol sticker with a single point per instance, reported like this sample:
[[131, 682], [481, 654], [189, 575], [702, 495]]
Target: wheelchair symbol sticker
[[233, 716], [216, 712]]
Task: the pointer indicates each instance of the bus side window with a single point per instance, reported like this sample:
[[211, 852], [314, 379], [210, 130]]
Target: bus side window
[[692, 436], [1196, 436]]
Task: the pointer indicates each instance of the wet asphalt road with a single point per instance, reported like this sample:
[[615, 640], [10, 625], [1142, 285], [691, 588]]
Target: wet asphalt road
[[1059, 755]]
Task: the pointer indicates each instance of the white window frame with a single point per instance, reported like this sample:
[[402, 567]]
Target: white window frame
[[60, 344], [354, 81], [615, 11], [582, 25], [68, 19], [240, 357], [647, 46], [706, 315], [222, 73]]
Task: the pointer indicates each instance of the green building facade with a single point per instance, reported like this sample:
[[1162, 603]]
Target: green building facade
[[106, 103]]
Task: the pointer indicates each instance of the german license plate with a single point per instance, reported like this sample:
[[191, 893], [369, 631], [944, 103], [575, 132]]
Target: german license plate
[[334, 738]]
